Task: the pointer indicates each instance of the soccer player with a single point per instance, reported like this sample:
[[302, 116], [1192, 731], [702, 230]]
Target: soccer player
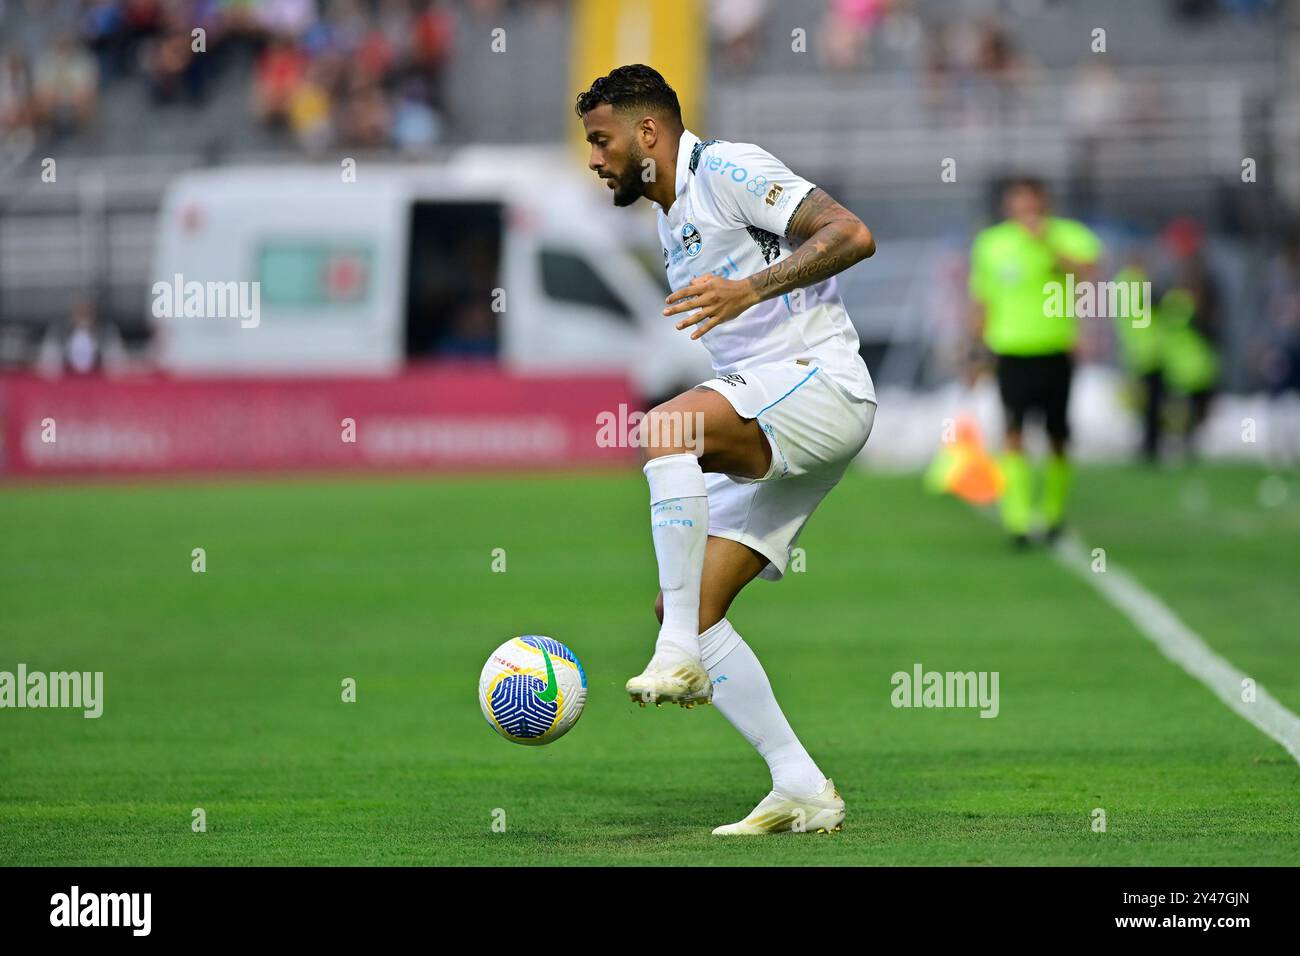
[[750, 250], [1012, 266]]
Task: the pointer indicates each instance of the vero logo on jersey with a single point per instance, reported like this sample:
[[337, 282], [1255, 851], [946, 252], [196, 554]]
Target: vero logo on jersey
[[729, 268]]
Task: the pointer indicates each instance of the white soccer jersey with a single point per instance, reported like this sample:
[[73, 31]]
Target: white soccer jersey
[[734, 201]]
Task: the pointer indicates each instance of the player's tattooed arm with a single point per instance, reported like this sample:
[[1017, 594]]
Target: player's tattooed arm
[[828, 239]]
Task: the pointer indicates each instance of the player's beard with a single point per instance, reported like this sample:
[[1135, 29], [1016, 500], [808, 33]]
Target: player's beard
[[628, 187]]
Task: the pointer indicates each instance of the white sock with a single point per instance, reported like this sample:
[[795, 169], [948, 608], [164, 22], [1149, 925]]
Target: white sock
[[679, 523], [743, 693]]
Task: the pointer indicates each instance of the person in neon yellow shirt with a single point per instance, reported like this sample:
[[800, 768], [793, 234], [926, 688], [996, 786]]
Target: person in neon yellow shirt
[[1032, 334]]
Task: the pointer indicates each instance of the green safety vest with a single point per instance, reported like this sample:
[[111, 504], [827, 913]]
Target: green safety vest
[[1140, 345], [1009, 271], [1190, 363]]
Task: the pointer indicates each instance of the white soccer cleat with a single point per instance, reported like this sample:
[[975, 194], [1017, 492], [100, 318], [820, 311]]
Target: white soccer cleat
[[671, 680], [779, 812]]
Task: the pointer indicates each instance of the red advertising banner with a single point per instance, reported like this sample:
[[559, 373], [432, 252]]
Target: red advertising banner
[[437, 418]]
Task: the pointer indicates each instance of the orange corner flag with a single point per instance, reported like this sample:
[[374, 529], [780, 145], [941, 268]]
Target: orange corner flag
[[963, 468]]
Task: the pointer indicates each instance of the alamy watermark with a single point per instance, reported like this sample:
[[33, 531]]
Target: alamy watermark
[[1125, 299], [922, 688], [654, 429], [179, 299], [75, 908], [83, 690]]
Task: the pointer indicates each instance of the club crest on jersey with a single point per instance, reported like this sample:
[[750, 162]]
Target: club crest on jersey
[[691, 239]]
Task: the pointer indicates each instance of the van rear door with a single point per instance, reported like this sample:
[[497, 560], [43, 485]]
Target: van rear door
[[326, 258], [454, 297]]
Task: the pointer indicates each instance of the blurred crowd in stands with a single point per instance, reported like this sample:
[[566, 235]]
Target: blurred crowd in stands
[[954, 43], [372, 72], [323, 72], [844, 38]]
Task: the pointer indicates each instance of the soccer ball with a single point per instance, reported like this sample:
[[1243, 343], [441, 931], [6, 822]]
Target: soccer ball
[[532, 689]]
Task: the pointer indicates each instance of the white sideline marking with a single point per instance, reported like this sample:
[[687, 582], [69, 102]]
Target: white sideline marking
[[1181, 644]]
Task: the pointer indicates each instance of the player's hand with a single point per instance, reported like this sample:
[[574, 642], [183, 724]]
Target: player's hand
[[714, 299]]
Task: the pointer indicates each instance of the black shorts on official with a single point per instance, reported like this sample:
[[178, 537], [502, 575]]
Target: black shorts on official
[[1038, 384]]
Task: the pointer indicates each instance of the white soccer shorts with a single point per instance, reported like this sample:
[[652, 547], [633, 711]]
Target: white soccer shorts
[[815, 428]]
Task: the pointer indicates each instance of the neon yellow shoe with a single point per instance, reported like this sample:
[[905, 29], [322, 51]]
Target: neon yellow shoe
[[779, 812]]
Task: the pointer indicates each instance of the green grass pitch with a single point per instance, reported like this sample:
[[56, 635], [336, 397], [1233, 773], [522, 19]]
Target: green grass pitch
[[223, 689]]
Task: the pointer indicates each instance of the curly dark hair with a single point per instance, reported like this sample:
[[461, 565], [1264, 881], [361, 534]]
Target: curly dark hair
[[634, 87], [1023, 181]]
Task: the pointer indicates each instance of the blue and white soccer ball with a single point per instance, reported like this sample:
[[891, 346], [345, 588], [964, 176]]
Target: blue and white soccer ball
[[532, 689]]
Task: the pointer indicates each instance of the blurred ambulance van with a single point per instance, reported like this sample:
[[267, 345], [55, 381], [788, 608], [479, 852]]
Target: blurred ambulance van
[[499, 253]]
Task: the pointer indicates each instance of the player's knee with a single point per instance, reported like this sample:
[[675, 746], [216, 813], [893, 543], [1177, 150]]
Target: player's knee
[[677, 426], [662, 431], [659, 607]]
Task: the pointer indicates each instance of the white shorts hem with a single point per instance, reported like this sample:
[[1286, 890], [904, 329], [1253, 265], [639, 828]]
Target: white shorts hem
[[775, 455], [776, 558]]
